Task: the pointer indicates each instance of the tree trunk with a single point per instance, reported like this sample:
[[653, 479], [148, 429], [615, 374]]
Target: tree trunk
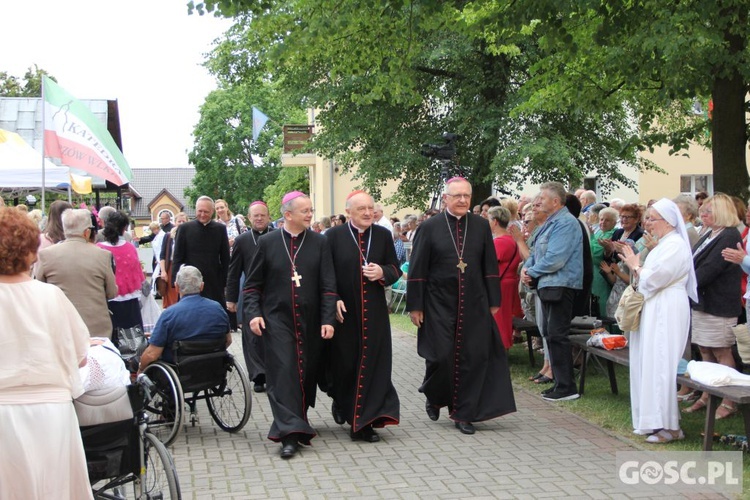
[[729, 136], [729, 139]]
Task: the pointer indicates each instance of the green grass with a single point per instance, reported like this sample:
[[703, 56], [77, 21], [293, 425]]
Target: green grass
[[609, 411], [612, 412]]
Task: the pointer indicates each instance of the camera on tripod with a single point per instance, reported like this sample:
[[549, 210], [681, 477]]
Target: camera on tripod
[[442, 152]]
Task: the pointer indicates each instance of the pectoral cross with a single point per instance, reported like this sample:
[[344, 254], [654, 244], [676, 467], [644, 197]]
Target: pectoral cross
[[296, 277], [462, 265]]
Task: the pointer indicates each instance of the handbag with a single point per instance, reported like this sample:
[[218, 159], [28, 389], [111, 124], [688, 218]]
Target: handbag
[[131, 342], [161, 286], [628, 313]]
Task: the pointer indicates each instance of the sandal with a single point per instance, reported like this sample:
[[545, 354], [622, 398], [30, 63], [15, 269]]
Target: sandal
[[665, 436], [544, 379], [536, 377], [643, 432], [731, 411], [697, 406], [684, 398]]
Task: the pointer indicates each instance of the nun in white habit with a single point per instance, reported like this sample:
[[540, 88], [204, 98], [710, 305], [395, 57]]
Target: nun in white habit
[[666, 280]]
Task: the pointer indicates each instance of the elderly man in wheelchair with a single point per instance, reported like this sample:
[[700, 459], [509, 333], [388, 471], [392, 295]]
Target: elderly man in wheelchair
[[186, 359], [192, 318]]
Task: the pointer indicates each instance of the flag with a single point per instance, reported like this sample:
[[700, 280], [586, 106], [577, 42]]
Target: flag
[[81, 184], [74, 135], [259, 121]]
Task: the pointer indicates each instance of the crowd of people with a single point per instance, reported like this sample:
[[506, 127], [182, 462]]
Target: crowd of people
[[310, 298]]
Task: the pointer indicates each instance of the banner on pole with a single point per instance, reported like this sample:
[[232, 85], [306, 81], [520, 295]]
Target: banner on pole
[[74, 135]]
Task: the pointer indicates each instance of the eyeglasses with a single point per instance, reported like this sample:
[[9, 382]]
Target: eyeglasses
[[625, 217], [653, 219], [706, 212], [459, 196]]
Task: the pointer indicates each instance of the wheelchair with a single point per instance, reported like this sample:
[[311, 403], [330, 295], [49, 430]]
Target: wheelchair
[[120, 450], [202, 370]]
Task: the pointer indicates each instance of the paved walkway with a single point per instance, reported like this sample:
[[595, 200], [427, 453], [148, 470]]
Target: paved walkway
[[541, 451]]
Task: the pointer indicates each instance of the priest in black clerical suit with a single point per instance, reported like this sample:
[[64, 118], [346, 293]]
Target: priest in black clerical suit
[[452, 290], [203, 243], [361, 352], [290, 299], [242, 256]]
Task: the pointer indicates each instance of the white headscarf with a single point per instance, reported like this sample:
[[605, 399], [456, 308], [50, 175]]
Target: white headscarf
[[671, 213]]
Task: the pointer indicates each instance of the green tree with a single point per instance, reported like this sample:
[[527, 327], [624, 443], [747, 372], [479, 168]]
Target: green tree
[[654, 58], [228, 163], [30, 85], [290, 179], [388, 76]]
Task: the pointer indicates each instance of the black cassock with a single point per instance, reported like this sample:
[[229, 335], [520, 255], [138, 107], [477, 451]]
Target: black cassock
[[242, 256], [293, 317], [207, 248], [361, 350], [466, 363]]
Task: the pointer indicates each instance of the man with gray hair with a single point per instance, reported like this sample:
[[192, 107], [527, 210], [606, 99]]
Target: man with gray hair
[[82, 271], [203, 243], [587, 199], [192, 318], [555, 269], [290, 300], [380, 219]]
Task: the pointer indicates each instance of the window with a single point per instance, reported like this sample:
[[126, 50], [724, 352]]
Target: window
[[591, 184], [691, 184]]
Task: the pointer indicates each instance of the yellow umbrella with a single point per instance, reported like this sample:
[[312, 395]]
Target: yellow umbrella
[[81, 184]]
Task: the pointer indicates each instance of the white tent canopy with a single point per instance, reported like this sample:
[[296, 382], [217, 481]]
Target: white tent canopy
[[21, 166]]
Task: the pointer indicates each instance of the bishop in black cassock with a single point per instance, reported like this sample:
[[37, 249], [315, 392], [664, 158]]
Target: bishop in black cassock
[[361, 350], [242, 256], [452, 285], [203, 243], [290, 298]]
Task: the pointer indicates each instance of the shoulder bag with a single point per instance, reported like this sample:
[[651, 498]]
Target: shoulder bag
[[628, 313]]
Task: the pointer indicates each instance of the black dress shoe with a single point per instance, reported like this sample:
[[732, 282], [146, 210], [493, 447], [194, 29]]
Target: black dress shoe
[[259, 387], [289, 447], [465, 427], [366, 434], [338, 417], [432, 411]]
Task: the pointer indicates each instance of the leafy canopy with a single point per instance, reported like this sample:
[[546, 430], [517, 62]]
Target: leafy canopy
[[537, 90]]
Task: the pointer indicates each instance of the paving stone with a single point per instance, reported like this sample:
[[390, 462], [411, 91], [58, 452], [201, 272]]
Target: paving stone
[[542, 451]]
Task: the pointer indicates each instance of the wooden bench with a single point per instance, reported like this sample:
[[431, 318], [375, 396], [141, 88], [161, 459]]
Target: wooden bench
[[520, 324], [737, 394], [619, 356]]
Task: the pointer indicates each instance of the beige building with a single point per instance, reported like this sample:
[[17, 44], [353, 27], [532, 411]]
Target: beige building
[[683, 174], [329, 185]]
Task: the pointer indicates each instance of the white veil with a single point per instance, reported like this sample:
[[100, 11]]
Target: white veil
[[671, 213]]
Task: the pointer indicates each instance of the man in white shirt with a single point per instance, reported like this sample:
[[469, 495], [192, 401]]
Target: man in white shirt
[[380, 219]]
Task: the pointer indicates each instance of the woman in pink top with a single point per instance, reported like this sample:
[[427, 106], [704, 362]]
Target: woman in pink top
[[125, 308], [43, 342]]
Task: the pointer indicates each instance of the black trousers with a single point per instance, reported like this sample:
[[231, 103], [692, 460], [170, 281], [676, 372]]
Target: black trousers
[[556, 317]]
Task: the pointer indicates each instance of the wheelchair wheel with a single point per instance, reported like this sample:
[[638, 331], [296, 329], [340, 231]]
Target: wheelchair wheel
[[159, 477], [167, 405], [230, 403]]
